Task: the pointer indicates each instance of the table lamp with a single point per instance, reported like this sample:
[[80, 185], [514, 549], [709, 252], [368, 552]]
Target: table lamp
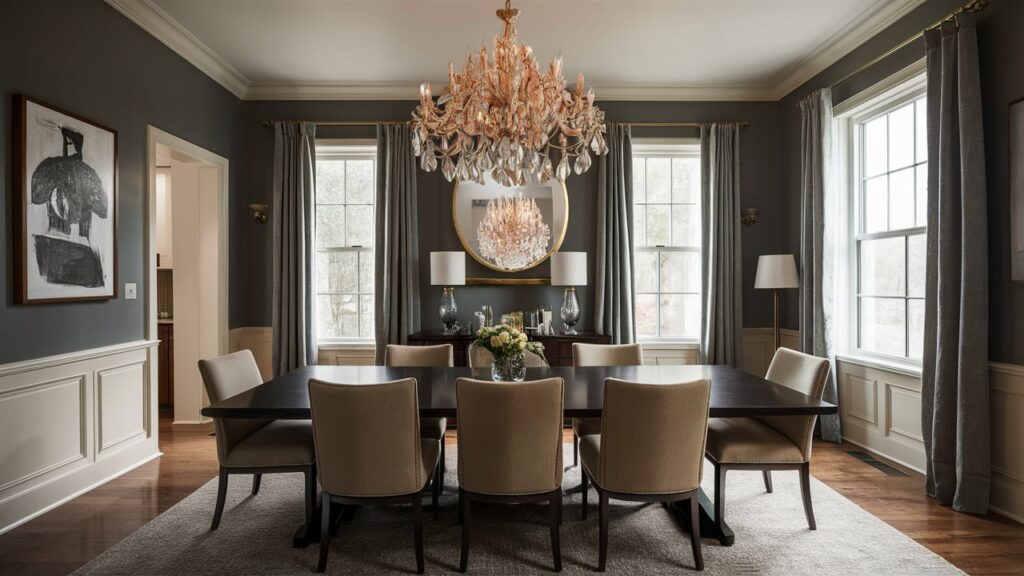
[[776, 271], [569, 269], [448, 269]]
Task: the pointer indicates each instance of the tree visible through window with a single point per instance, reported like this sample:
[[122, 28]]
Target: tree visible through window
[[345, 190], [667, 241]]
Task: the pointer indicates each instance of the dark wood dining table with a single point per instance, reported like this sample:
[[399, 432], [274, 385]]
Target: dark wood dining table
[[734, 393]]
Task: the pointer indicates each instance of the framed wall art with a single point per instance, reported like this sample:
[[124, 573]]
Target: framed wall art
[[1017, 190], [65, 206]]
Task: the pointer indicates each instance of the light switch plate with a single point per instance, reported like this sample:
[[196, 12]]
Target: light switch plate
[[129, 291]]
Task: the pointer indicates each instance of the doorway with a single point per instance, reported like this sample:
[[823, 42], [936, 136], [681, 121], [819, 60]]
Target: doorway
[[187, 263]]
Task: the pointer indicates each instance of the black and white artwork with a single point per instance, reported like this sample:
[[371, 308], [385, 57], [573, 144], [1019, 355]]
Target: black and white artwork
[[67, 230], [1017, 190]]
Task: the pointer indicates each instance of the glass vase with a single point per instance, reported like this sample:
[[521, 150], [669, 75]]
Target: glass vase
[[509, 367]]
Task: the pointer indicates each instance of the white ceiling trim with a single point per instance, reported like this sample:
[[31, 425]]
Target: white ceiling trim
[[167, 30], [882, 15]]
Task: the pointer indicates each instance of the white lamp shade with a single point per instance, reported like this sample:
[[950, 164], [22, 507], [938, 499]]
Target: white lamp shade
[[569, 269], [776, 271], [448, 268]]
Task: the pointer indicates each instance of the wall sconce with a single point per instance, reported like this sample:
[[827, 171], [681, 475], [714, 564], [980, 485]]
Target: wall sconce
[[749, 216], [259, 212]]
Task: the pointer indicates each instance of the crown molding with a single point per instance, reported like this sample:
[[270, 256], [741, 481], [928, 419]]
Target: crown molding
[[167, 30], [880, 16]]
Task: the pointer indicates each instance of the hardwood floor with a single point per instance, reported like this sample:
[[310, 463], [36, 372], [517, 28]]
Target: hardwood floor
[[67, 537]]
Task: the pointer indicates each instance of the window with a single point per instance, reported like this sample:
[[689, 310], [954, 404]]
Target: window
[[345, 191], [666, 241], [889, 196]]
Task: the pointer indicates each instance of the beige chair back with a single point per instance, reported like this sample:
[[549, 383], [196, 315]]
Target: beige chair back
[[223, 378], [607, 355], [367, 438], [807, 375], [510, 436], [440, 356], [480, 357], [653, 436]]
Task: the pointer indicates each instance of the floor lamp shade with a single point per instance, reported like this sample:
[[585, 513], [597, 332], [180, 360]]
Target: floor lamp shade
[[776, 271], [569, 269], [448, 268]]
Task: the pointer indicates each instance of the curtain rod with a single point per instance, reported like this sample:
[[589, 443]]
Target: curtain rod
[[970, 6], [640, 124]]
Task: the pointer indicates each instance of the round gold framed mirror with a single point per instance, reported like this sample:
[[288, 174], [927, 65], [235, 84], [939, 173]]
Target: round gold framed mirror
[[510, 229]]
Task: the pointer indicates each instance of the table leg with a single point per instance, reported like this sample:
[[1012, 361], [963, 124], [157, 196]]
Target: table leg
[[708, 527], [309, 532]]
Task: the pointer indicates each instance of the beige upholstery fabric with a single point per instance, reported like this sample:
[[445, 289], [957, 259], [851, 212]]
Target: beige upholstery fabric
[[652, 437], [607, 354], [749, 441], [440, 356], [480, 357], [806, 374], [367, 439], [280, 443], [602, 355], [510, 436], [223, 378]]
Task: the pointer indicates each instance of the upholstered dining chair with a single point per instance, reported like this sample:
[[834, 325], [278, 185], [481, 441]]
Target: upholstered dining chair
[[480, 357], [510, 449], [440, 356], [650, 449], [254, 446], [599, 355], [369, 451], [768, 443]]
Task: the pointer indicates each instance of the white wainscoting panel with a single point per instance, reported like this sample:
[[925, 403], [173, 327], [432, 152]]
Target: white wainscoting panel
[[758, 347], [656, 354], [357, 355], [1007, 382], [71, 422]]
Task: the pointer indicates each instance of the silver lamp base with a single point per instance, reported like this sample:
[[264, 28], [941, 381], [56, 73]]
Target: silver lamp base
[[570, 310]]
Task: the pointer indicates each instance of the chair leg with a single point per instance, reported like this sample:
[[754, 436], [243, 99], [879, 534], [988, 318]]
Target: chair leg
[[310, 474], [459, 506], [464, 507], [805, 490], [222, 494], [556, 519], [325, 532], [256, 483], [767, 480], [698, 555], [417, 511], [575, 449], [602, 545], [586, 490], [441, 465], [720, 471], [436, 492]]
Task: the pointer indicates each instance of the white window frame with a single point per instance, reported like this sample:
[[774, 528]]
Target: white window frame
[[343, 149], [661, 148], [905, 86]]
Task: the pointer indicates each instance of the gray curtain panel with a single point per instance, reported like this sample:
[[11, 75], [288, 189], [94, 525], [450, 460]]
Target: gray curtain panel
[[817, 247], [721, 340], [613, 278], [954, 375], [396, 241], [294, 340]]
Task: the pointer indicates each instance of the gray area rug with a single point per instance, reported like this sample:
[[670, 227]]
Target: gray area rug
[[771, 536]]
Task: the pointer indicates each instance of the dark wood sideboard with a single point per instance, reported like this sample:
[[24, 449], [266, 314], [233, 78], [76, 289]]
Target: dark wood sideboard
[[557, 347]]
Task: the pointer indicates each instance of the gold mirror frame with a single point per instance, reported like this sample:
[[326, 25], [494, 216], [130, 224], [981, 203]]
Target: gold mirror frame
[[472, 252]]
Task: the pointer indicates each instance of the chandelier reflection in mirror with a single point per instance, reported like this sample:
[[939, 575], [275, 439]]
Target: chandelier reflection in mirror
[[512, 233], [504, 116]]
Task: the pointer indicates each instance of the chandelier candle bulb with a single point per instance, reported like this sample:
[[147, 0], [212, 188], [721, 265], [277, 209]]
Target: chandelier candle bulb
[[502, 115]]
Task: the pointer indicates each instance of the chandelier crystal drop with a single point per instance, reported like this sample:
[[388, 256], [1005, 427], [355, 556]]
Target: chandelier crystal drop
[[503, 116], [512, 233]]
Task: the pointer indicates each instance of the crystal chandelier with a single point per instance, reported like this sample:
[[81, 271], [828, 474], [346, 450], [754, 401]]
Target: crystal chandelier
[[504, 116], [512, 233]]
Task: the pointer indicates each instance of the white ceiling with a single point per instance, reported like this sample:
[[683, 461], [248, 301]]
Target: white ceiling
[[628, 49]]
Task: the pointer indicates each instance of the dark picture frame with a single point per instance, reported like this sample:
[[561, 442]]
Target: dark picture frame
[[64, 197], [1015, 116]]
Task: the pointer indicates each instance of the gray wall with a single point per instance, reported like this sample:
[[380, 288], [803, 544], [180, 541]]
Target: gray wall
[[84, 56], [1000, 46], [759, 174]]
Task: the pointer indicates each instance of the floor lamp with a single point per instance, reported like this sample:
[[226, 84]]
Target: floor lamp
[[776, 271]]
